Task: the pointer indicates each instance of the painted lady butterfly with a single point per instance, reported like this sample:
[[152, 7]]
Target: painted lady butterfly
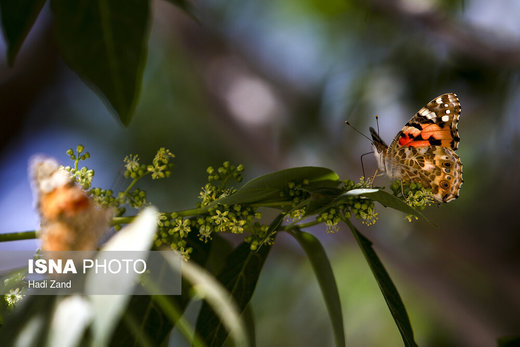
[[424, 150], [70, 220]]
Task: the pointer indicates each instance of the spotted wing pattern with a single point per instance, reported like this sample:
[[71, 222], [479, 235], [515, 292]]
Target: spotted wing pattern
[[424, 150]]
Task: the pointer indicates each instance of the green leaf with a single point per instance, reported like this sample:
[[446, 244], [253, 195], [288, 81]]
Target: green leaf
[[18, 17], [268, 187], [239, 277], [323, 270], [387, 287], [104, 41]]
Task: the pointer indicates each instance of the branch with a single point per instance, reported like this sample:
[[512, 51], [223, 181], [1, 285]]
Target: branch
[[459, 36]]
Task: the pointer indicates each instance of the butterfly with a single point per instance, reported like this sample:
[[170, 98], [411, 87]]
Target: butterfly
[[70, 220], [424, 150]]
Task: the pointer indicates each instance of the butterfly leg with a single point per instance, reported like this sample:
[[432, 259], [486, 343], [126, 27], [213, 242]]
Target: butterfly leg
[[374, 177]]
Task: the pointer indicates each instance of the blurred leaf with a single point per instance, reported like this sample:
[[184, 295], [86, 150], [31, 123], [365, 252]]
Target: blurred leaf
[[509, 341], [108, 309], [268, 187], [18, 17], [105, 43], [29, 322], [323, 270], [72, 316], [153, 315], [140, 336], [239, 277], [387, 287], [217, 297]]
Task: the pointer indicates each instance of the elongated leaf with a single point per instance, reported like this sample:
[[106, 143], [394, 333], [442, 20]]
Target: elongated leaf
[[323, 270], [216, 296], [152, 315], [249, 321], [268, 187], [108, 309], [18, 18], [387, 287], [104, 41], [239, 277], [71, 319]]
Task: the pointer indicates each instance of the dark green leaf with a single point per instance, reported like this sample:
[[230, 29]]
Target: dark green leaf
[[18, 17], [387, 287], [239, 277], [31, 309], [249, 321], [105, 43], [220, 249], [323, 270], [268, 187], [509, 341]]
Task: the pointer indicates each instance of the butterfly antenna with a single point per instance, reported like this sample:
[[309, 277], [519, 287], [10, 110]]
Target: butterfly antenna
[[377, 123], [362, 165], [359, 132]]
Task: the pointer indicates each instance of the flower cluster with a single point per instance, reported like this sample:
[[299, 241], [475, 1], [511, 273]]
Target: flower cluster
[[295, 193], [295, 215], [130, 197], [173, 231], [13, 297], [161, 165], [236, 219], [84, 175], [331, 217], [414, 195], [218, 182], [15, 281], [359, 206], [260, 235], [214, 215]]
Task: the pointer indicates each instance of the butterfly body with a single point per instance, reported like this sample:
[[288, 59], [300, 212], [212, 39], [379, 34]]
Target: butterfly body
[[70, 219], [424, 150]]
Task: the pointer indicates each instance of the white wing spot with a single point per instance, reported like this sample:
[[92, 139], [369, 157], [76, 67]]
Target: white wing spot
[[445, 118], [447, 111], [446, 105], [439, 100]]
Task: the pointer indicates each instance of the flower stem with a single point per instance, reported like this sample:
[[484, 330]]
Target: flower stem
[[16, 236], [303, 225]]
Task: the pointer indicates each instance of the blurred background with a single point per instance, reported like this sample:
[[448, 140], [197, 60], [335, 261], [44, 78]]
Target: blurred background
[[270, 84]]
